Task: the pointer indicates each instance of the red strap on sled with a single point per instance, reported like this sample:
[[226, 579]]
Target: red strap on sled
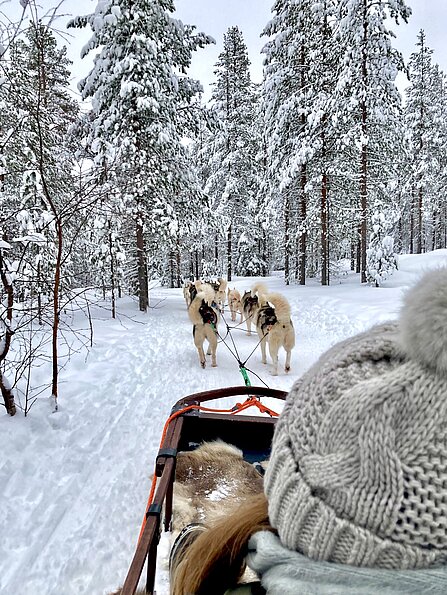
[[249, 402]]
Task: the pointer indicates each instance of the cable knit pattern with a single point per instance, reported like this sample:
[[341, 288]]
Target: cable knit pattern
[[358, 472]]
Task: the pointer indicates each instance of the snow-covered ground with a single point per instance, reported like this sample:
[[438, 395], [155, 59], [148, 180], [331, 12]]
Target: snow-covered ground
[[74, 484]]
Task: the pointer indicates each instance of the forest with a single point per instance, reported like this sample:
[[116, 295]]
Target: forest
[[143, 182]]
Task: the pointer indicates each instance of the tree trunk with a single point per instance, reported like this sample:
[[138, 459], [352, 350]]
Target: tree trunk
[[303, 233], [324, 214], [264, 253], [419, 212], [229, 252], [287, 238], [197, 264], [56, 313], [39, 294], [364, 212], [303, 182], [112, 271], [5, 389], [412, 201], [434, 229], [352, 255], [364, 153], [358, 254], [171, 270], [445, 226], [143, 285], [177, 262]]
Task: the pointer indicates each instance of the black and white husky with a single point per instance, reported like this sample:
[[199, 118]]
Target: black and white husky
[[275, 327], [250, 304], [204, 315]]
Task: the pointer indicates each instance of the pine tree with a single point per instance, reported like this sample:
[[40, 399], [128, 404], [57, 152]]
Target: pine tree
[[37, 84], [300, 77], [425, 113], [381, 259], [140, 95], [367, 93], [286, 110], [233, 182], [36, 233]]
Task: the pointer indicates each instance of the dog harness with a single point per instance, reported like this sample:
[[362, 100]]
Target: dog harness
[[208, 314], [250, 300], [268, 318]]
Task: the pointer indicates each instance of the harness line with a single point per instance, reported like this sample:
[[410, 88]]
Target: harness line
[[242, 368]]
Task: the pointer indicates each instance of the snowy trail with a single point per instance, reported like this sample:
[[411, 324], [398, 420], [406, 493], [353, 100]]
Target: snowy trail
[[74, 484]]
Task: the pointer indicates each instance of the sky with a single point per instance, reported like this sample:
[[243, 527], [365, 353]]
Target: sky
[[252, 15], [214, 17]]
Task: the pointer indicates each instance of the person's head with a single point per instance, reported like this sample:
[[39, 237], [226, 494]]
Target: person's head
[[358, 468]]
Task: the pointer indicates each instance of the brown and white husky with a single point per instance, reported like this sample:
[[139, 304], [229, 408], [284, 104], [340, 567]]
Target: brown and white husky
[[204, 315], [235, 303], [275, 327], [209, 482], [220, 287]]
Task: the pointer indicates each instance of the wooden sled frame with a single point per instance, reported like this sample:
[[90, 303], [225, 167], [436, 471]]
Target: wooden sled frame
[[252, 434]]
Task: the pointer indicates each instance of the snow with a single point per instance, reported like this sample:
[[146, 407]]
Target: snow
[[74, 484]]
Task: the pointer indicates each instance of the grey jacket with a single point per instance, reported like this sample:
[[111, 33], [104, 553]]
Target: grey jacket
[[284, 572]]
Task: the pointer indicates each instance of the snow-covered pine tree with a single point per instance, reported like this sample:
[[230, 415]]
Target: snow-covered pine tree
[[438, 204], [322, 119], [286, 110], [233, 182], [37, 84], [381, 259], [263, 207], [366, 91], [252, 249], [202, 243], [105, 241], [321, 129], [140, 93], [425, 112], [36, 233], [299, 80]]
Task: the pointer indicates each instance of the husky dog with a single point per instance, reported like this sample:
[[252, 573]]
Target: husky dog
[[187, 292], [235, 303], [250, 304], [210, 482], [204, 315], [220, 287], [275, 327]]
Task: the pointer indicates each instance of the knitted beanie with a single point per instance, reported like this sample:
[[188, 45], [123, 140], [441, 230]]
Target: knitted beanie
[[358, 470]]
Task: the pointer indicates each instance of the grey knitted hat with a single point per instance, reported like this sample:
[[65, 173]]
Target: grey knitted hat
[[358, 472]]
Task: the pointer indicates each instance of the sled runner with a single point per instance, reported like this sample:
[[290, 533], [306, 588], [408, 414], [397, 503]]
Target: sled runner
[[190, 424]]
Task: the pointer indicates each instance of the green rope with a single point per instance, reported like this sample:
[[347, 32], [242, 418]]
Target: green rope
[[245, 375]]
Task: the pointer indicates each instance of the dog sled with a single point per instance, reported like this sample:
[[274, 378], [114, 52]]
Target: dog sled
[[191, 423]]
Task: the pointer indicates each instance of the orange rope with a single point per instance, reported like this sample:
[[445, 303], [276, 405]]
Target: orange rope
[[250, 402]]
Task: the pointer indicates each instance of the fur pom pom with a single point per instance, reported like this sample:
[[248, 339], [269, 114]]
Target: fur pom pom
[[423, 321]]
